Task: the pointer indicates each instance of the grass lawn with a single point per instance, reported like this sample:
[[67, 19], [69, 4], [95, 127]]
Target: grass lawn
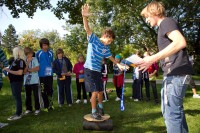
[[160, 76], [138, 117]]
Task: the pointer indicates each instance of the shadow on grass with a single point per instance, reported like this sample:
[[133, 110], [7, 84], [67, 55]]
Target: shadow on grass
[[138, 123], [192, 112]]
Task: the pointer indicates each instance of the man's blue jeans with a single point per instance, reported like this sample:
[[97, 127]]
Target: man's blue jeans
[[16, 92], [172, 94]]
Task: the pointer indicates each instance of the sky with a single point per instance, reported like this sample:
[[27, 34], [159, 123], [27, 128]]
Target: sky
[[44, 20]]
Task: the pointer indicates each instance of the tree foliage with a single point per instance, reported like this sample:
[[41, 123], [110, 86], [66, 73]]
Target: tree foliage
[[25, 6], [9, 39], [123, 17]]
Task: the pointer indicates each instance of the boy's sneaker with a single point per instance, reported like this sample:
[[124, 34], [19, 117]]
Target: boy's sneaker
[[3, 125], [117, 99], [196, 96], [37, 112], [27, 112], [78, 101], [100, 111], [85, 101], [104, 101], [136, 100], [14, 117], [69, 105], [96, 116]]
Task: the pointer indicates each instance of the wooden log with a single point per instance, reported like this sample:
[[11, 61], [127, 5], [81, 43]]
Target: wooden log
[[106, 125]]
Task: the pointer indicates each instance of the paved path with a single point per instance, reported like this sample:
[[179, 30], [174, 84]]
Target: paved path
[[158, 81]]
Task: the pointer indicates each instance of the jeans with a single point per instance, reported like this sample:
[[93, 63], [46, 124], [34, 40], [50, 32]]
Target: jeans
[[172, 94], [16, 92], [64, 90]]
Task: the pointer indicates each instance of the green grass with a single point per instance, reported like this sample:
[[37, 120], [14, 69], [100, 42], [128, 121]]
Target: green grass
[[138, 117], [160, 76]]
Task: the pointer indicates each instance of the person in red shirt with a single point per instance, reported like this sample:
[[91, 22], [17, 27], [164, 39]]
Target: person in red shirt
[[79, 71], [153, 72]]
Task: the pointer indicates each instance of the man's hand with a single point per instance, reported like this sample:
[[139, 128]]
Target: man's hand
[[85, 10], [122, 67], [146, 63]]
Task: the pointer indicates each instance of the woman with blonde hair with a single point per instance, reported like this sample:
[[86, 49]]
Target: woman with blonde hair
[[15, 74]]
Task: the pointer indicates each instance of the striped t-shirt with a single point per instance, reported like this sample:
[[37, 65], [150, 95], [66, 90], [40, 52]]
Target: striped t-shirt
[[96, 51], [3, 63]]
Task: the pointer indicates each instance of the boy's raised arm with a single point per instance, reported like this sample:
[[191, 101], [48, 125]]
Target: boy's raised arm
[[85, 14]]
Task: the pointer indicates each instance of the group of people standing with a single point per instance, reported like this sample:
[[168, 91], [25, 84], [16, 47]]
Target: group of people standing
[[148, 77], [35, 71], [172, 56]]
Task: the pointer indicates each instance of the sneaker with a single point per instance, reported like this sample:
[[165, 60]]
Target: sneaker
[[131, 97], [85, 101], [196, 96], [69, 105], [37, 112], [136, 100], [104, 101], [100, 111], [96, 116], [27, 112], [117, 99], [3, 125], [78, 101], [14, 117]]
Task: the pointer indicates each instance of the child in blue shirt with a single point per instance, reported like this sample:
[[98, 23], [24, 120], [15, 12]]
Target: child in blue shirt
[[97, 49], [45, 59]]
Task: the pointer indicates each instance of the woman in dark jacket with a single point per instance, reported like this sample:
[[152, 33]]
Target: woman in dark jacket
[[63, 69]]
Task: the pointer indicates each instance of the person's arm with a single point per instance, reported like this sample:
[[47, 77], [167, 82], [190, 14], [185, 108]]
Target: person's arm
[[106, 70], [55, 68], [69, 73], [85, 13], [3, 59], [19, 72], [75, 69], [121, 67], [34, 69], [178, 43]]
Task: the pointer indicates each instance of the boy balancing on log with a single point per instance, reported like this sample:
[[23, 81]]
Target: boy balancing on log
[[97, 49]]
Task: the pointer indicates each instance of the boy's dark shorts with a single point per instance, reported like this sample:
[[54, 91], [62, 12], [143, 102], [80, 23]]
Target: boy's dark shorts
[[93, 81]]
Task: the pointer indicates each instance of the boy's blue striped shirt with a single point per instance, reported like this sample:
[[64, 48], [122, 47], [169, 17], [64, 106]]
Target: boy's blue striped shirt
[[96, 51]]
